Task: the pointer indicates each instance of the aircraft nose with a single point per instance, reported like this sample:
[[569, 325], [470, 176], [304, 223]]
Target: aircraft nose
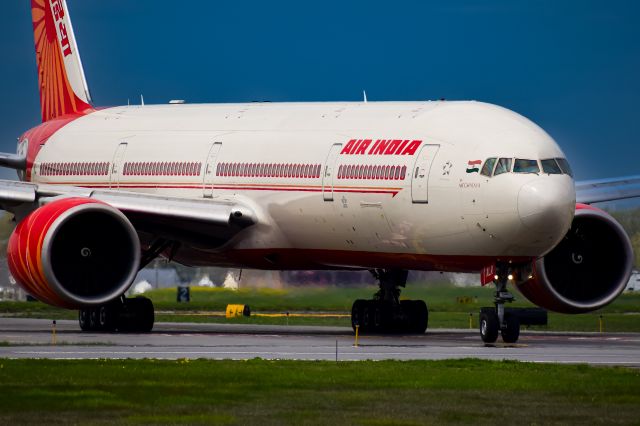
[[547, 205]]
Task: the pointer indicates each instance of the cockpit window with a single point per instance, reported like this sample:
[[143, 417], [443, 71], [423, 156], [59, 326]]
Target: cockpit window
[[504, 166], [526, 166], [488, 166], [564, 165], [550, 166]]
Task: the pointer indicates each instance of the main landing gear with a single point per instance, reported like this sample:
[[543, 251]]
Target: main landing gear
[[125, 315], [386, 313], [507, 321]]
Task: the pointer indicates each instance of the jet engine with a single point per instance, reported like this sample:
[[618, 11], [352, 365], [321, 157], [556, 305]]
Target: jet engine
[[587, 270], [74, 252]]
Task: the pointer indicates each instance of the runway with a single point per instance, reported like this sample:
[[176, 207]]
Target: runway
[[30, 338]]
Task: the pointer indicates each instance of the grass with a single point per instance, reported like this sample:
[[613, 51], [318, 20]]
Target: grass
[[298, 392], [446, 311]]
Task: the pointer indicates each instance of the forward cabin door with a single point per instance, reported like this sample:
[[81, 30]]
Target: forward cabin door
[[210, 169], [329, 173], [116, 166], [420, 173]]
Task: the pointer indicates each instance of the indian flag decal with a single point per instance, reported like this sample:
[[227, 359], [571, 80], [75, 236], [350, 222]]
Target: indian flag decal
[[473, 166]]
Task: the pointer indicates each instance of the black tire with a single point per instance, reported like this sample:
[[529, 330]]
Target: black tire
[[107, 316], [387, 318], [511, 332], [144, 314], [136, 316], [489, 326], [94, 324], [367, 317], [421, 319], [83, 320], [417, 315]]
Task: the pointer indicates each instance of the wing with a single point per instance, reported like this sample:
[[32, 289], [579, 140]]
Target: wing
[[207, 223], [598, 190]]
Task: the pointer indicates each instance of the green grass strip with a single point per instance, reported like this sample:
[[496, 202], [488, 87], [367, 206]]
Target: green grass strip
[[297, 392]]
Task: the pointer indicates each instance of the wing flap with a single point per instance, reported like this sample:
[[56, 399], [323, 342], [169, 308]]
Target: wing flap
[[13, 193]]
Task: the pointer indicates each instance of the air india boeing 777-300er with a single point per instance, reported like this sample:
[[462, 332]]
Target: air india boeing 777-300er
[[380, 186]]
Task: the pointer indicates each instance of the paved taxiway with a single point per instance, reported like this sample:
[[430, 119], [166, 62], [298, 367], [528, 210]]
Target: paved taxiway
[[29, 338]]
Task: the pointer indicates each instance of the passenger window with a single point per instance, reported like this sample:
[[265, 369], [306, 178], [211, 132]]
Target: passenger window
[[504, 166], [550, 166], [488, 166], [564, 166], [526, 166]]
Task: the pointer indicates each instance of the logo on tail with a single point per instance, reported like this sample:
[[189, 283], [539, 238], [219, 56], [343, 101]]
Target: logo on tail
[[63, 88]]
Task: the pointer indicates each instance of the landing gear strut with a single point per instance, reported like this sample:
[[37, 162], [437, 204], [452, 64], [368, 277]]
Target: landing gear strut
[[386, 313], [125, 315], [494, 320]]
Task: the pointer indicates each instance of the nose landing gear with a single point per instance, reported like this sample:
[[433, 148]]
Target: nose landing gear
[[507, 321], [386, 313]]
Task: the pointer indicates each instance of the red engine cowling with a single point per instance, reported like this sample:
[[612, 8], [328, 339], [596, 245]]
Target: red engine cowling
[[74, 252], [587, 270]]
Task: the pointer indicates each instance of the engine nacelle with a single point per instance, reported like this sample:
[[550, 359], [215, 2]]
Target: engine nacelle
[[587, 270], [74, 252]]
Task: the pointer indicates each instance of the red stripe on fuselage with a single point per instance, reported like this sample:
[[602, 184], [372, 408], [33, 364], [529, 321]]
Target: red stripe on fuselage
[[246, 187]]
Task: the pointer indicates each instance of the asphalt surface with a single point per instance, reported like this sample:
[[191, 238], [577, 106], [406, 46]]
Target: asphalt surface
[[31, 338]]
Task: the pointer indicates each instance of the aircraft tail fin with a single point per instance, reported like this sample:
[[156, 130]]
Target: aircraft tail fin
[[61, 80]]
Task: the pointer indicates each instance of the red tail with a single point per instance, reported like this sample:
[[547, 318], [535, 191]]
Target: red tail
[[63, 88]]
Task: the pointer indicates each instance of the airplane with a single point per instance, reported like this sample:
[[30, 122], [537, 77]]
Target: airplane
[[387, 187]]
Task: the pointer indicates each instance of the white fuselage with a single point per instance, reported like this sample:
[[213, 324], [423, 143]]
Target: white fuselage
[[315, 196]]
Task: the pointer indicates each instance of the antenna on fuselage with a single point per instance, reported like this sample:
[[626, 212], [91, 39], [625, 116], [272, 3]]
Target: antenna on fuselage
[[364, 95], [141, 100]]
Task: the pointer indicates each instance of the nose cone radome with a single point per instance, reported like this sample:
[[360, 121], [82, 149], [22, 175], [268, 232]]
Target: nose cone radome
[[547, 205]]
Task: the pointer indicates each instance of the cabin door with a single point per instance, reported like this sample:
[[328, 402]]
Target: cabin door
[[420, 173], [329, 174], [117, 165], [210, 170]]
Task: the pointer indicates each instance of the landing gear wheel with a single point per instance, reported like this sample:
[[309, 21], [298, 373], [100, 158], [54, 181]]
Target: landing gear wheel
[[385, 313], [138, 315], [94, 324], [107, 316], [489, 325], [124, 315], [367, 317], [83, 320], [511, 331], [417, 315]]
